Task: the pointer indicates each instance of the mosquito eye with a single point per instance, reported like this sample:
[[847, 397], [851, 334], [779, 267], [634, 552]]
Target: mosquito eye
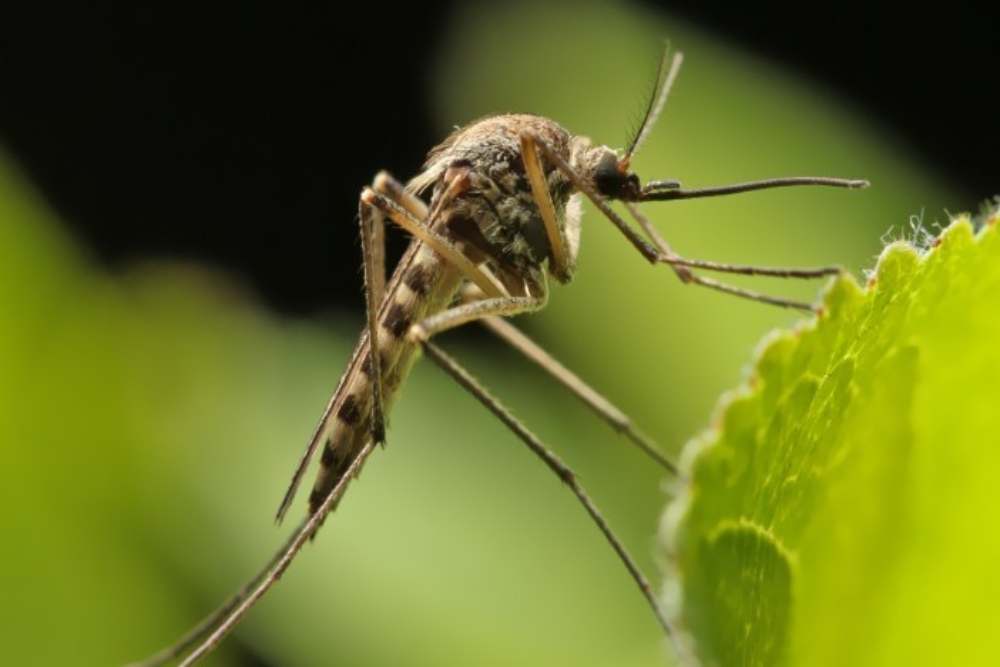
[[608, 179]]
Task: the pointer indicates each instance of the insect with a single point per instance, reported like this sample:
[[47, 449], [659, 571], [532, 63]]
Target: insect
[[502, 215]]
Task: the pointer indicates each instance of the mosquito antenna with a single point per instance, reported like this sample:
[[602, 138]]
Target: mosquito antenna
[[664, 82], [667, 190]]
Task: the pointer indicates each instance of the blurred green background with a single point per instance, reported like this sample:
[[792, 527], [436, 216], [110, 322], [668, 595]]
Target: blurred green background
[[150, 421]]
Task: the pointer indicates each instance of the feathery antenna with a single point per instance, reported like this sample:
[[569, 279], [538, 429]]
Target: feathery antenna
[[665, 78]]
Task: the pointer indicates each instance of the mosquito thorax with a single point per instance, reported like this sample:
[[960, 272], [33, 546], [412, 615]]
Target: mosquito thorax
[[497, 214]]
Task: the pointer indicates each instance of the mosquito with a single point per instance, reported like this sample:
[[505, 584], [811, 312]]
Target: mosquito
[[504, 214]]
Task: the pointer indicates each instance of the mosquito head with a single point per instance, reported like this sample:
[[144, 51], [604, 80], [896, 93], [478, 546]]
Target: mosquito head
[[610, 171], [612, 177]]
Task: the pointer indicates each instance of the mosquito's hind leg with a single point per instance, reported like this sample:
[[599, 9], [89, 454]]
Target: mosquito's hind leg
[[554, 463], [208, 633], [601, 406], [491, 307]]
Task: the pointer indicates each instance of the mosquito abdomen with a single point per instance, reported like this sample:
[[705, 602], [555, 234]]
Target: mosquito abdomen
[[421, 285]]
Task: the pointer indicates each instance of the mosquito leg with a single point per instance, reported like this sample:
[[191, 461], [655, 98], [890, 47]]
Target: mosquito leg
[[486, 311], [372, 227], [372, 222], [373, 249], [752, 270], [781, 302], [491, 307], [216, 626], [460, 375], [561, 263], [601, 406], [467, 312], [437, 242], [385, 184], [651, 254], [681, 267], [209, 623], [396, 191], [389, 199], [673, 259]]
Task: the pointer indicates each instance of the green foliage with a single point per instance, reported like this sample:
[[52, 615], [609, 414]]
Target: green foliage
[[840, 511]]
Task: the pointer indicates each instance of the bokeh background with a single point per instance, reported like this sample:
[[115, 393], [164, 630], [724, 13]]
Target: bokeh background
[[180, 290]]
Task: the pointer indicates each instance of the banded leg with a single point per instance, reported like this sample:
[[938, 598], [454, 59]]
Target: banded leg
[[659, 252], [461, 314]]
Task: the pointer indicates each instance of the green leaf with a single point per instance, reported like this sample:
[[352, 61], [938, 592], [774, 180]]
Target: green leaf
[[840, 509]]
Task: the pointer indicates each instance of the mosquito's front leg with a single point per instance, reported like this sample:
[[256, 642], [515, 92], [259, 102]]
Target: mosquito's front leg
[[682, 267], [648, 251], [562, 259]]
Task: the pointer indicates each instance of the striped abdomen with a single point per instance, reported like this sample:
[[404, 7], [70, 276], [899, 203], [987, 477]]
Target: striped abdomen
[[421, 285]]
